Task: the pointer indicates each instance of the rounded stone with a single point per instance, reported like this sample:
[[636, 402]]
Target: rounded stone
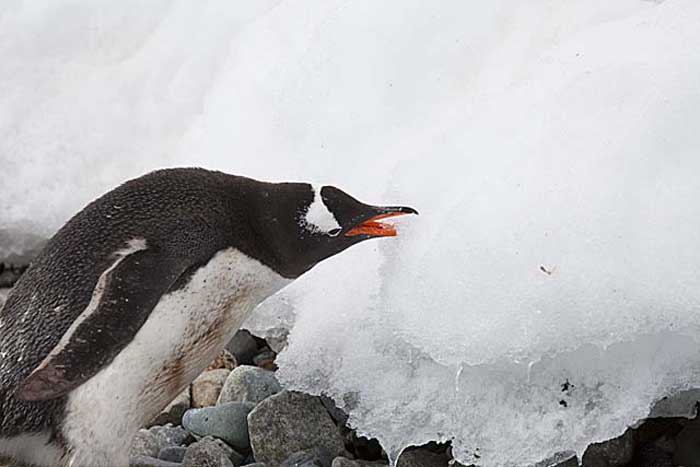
[[243, 347], [206, 388], [422, 458], [172, 453], [289, 422], [249, 384], [344, 462], [226, 421], [211, 452]]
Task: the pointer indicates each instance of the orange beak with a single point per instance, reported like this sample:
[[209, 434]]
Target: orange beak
[[374, 228]]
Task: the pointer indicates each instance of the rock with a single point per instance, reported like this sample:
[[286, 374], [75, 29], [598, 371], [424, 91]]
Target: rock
[[149, 442], [211, 452], [334, 411], [224, 361], [616, 452], [206, 388], [226, 421], [145, 443], [171, 435], [172, 453], [362, 447], [344, 462], [255, 464], [687, 451], [175, 410], [266, 359], [317, 457], [243, 347], [652, 456], [289, 422], [146, 461], [560, 459], [422, 458], [249, 384]]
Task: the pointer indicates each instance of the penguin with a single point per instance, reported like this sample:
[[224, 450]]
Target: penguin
[[136, 294]]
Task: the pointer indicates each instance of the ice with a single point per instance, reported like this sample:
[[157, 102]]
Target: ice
[[548, 294]]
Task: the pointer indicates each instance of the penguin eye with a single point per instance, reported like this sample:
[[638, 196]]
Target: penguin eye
[[334, 232]]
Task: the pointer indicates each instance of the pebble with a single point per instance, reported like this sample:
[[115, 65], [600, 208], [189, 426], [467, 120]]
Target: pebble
[[422, 458], [211, 452], [289, 422], [266, 359], [172, 453], [206, 388], [146, 461], [149, 442], [243, 347], [225, 360], [336, 413], [345, 462], [226, 421], [687, 451], [560, 459], [175, 410], [616, 452], [249, 384], [318, 457]]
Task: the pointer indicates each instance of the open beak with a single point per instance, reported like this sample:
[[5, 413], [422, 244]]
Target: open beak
[[374, 228]]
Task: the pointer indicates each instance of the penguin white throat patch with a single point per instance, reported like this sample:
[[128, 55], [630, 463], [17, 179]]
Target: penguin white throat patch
[[318, 218]]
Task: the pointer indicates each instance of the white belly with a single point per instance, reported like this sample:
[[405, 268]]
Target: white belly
[[183, 334]]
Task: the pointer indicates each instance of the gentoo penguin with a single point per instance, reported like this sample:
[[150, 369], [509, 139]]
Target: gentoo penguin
[[138, 292]]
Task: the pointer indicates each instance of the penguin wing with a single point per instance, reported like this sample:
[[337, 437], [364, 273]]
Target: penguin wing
[[122, 300]]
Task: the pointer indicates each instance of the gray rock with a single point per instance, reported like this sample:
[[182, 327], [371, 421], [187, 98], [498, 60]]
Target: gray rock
[[653, 456], [249, 384], [226, 421], [265, 359], [289, 422], [175, 410], [687, 451], [171, 435], [146, 461], [206, 388], [255, 464], [344, 462], [211, 452], [335, 412], [422, 458], [172, 453], [145, 443], [318, 457], [560, 459], [616, 452], [243, 347], [149, 442]]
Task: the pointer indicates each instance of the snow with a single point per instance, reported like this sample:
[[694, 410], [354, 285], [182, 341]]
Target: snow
[[551, 148]]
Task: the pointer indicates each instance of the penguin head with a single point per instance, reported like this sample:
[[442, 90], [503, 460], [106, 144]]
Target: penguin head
[[305, 224]]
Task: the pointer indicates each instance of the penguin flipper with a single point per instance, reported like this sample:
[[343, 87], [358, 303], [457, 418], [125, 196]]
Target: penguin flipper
[[123, 298]]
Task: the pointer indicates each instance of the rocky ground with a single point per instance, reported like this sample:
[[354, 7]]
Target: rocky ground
[[236, 413]]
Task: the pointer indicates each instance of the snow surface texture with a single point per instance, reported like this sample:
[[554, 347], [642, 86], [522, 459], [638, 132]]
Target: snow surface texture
[[549, 292]]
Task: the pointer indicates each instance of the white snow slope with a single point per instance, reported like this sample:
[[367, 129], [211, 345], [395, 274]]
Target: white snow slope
[[553, 149]]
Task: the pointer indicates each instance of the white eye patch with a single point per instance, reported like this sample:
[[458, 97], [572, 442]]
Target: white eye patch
[[318, 218]]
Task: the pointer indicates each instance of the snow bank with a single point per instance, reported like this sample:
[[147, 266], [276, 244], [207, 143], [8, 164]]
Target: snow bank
[[548, 293]]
